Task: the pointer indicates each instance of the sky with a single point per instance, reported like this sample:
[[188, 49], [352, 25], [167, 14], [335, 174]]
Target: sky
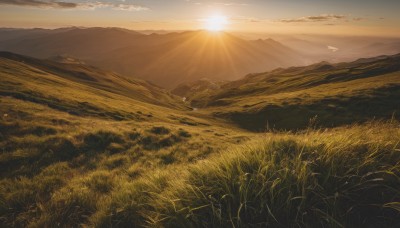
[[337, 17]]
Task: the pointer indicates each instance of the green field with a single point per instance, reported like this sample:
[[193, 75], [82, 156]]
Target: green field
[[315, 146]]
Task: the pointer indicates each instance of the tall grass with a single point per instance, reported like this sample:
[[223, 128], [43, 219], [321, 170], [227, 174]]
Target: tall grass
[[348, 177], [343, 177]]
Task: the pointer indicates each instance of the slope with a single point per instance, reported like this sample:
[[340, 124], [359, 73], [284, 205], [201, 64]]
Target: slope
[[62, 123], [76, 151], [76, 76], [288, 98]]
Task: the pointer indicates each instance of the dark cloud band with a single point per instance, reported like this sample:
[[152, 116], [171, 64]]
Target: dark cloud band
[[325, 17], [37, 3], [71, 5]]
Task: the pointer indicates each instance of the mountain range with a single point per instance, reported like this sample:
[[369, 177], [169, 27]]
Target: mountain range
[[164, 59]]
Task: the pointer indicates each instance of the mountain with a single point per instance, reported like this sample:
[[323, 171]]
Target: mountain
[[172, 58], [331, 94], [79, 42], [190, 56], [164, 59]]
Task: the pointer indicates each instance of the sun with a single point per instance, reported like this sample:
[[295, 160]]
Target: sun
[[216, 23]]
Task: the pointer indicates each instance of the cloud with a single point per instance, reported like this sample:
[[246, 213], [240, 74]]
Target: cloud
[[246, 19], [40, 3], [358, 19], [114, 6], [219, 3], [72, 5], [333, 49], [230, 4], [320, 18]]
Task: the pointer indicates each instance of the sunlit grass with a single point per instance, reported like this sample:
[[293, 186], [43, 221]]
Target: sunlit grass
[[57, 167], [343, 177], [347, 177]]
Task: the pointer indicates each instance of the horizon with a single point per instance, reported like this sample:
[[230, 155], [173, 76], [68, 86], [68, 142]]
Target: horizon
[[212, 52], [250, 16], [254, 34]]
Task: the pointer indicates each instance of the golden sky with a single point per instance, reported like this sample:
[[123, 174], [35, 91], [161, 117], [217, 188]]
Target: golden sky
[[340, 17]]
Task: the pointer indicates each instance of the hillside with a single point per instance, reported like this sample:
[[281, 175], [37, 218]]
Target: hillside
[[197, 87], [82, 146], [64, 123], [347, 177], [334, 94], [73, 80], [164, 59]]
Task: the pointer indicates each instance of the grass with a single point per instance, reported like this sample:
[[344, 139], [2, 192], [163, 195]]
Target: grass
[[112, 160], [347, 177], [287, 99], [57, 167], [334, 105], [341, 177]]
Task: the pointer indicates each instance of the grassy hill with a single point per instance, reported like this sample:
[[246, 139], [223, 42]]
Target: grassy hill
[[331, 94], [62, 122], [198, 87], [86, 147], [347, 177], [78, 76]]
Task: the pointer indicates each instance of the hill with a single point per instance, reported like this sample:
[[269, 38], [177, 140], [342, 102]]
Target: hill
[[76, 77], [82, 146], [334, 94], [63, 122], [164, 59], [197, 87], [347, 177]]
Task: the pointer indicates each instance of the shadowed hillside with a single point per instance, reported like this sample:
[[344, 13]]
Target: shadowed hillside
[[331, 94]]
